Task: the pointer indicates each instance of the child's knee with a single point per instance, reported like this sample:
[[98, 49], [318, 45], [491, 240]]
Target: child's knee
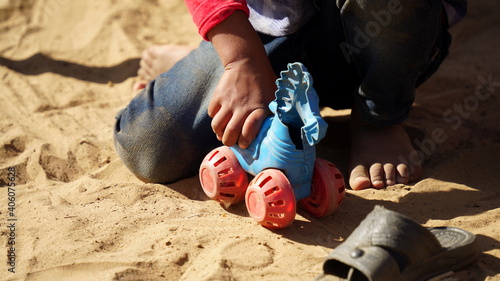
[[152, 161]]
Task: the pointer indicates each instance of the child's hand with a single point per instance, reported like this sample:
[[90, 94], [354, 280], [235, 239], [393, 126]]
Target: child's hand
[[240, 102]]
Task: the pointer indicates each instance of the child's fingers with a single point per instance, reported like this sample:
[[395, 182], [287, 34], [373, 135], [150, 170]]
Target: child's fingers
[[232, 130], [251, 127], [213, 107], [219, 119], [219, 123]]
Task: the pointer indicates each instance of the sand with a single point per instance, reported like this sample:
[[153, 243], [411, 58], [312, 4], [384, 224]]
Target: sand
[[66, 69]]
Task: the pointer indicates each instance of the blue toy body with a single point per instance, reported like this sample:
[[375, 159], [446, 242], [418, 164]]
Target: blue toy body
[[287, 140]]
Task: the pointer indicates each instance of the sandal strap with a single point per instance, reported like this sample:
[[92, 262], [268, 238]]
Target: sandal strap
[[366, 263]]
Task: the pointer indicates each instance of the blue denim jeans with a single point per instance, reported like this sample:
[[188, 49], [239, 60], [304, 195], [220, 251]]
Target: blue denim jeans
[[365, 53]]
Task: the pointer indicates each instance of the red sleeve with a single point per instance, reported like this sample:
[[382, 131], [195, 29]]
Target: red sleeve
[[208, 13]]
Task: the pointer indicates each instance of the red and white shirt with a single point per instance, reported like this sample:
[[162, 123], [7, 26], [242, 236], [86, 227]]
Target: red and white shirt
[[278, 17]]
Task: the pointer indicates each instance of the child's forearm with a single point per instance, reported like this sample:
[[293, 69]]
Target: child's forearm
[[236, 40]]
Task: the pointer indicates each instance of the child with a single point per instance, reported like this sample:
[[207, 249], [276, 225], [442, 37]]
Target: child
[[363, 54]]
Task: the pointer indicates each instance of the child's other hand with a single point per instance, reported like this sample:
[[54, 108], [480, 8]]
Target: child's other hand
[[240, 102]]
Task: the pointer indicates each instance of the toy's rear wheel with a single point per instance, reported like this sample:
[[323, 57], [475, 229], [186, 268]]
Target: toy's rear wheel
[[270, 199], [222, 177], [327, 190]]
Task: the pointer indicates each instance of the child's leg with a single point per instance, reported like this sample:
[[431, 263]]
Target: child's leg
[[164, 133], [392, 44], [370, 55]]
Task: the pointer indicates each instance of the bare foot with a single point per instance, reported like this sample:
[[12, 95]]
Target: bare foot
[[156, 60], [381, 156]]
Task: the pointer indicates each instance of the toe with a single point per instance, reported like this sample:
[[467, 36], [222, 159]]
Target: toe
[[145, 70], [139, 85], [150, 53], [143, 74], [390, 174], [147, 59], [415, 174], [403, 174], [377, 175], [359, 178]]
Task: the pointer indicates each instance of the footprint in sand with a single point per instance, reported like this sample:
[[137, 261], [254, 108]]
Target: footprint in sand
[[55, 167], [83, 156], [10, 149], [223, 262], [258, 255], [17, 170]]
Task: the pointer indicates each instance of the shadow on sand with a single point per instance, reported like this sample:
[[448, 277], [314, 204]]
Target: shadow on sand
[[40, 63]]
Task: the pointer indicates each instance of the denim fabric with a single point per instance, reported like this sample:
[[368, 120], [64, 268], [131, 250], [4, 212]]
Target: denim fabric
[[365, 53], [391, 42]]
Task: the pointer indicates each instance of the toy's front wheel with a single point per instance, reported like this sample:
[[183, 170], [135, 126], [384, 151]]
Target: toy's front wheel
[[222, 177], [327, 190], [270, 199]]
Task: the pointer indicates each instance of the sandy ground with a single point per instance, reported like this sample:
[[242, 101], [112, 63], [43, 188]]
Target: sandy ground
[[66, 68]]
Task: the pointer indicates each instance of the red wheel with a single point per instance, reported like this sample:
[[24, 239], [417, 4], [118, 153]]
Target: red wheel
[[270, 199], [327, 190], [222, 177]]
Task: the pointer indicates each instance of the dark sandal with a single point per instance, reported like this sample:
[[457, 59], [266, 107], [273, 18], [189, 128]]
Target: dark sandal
[[388, 246]]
